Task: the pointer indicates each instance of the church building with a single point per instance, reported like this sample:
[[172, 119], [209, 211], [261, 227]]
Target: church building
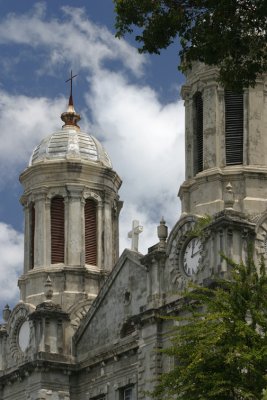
[[88, 324]]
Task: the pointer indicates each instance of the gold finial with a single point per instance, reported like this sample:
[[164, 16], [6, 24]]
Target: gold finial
[[70, 117]]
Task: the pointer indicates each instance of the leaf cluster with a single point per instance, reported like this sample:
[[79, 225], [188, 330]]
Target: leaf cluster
[[228, 33], [198, 229], [220, 343]]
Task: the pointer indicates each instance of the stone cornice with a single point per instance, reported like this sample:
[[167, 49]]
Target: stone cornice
[[42, 362], [230, 219], [50, 310], [78, 170], [58, 269], [113, 351]]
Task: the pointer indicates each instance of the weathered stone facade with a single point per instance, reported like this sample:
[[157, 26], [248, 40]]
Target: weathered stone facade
[[92, 330]]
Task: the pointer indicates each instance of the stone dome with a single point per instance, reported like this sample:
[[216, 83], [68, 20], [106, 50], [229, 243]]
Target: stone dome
[[70, 143]]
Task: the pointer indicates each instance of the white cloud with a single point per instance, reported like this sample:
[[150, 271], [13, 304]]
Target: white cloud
[[144, 140], [11, 264], [75, 36], [24, 122]]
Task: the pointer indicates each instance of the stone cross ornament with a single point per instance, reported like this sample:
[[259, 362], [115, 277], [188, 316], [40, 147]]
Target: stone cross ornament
[[134, 234]]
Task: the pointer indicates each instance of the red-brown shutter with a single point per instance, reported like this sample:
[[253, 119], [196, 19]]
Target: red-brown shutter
[[198, 133], [32, 229], [90, 232], [234, 120], [57, 230]]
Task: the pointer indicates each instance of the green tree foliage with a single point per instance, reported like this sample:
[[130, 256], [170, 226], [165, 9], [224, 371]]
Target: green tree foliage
[[228, 33], [220, 343]]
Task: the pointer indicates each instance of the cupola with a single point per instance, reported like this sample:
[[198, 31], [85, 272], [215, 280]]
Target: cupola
[[71, 208]]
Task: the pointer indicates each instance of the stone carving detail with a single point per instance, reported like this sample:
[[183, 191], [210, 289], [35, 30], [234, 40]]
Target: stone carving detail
[[229, 197]]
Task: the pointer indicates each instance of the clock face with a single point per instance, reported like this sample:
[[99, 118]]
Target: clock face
[[24, 336], [192, 256]]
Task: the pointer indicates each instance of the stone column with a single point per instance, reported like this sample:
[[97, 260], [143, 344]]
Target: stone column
[[107, 237], [246, 157], [40, 244], [99, 235], [188, 103], [26, 235], [116, 212], [47, 261], [209, 126], [220, 128], [3, 344], [74, 244]]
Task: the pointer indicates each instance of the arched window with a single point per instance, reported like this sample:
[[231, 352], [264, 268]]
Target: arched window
[[57, 230], [31, 235], [234, 120], [198, 133], [90, 232]]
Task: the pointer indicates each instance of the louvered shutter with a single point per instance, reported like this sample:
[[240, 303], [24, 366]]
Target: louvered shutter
[[90, 232], [198, 133], [234, 118], [32, 229], [57, 230]]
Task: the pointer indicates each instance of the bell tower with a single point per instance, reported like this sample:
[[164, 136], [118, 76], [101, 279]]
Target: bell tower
[[71, 208], [225, 142], [225, 178]]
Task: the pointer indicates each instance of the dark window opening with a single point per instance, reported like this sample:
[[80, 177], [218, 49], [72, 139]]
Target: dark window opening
[[198, 133], [57, 230], [126, 393], [127, 329], [90, 232], [234, 120]]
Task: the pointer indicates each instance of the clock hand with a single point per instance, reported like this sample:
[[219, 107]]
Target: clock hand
[[193, 246], [198, 251]]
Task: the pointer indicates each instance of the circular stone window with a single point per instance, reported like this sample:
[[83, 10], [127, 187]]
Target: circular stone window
[[24, 336]]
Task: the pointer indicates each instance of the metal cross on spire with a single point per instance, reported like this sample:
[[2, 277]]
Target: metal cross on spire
[[71, 79], [70, 117]]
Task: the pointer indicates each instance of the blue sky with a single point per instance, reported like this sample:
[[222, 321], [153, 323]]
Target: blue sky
[[130, 102]]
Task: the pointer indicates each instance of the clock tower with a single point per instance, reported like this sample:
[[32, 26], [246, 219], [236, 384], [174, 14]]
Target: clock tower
[[225, 177]]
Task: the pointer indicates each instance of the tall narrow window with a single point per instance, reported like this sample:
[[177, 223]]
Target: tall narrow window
[[57, 230], [234, 119], [90, 232], [126, 393], [31, 234], [198, 133]]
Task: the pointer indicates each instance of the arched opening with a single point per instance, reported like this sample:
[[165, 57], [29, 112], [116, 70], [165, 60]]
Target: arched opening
[[31, 234], [198, 133], [234, 121], [57, 230], [90, 220]]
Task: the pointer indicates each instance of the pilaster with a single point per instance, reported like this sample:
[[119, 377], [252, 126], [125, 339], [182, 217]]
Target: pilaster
[[100, 233], [27, 242], [40, 244], [108, 240], [74, 242]]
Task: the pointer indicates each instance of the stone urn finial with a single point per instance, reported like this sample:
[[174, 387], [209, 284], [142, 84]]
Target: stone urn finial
[[6, 313], [229, 197], [48, 289], [162, 233]]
